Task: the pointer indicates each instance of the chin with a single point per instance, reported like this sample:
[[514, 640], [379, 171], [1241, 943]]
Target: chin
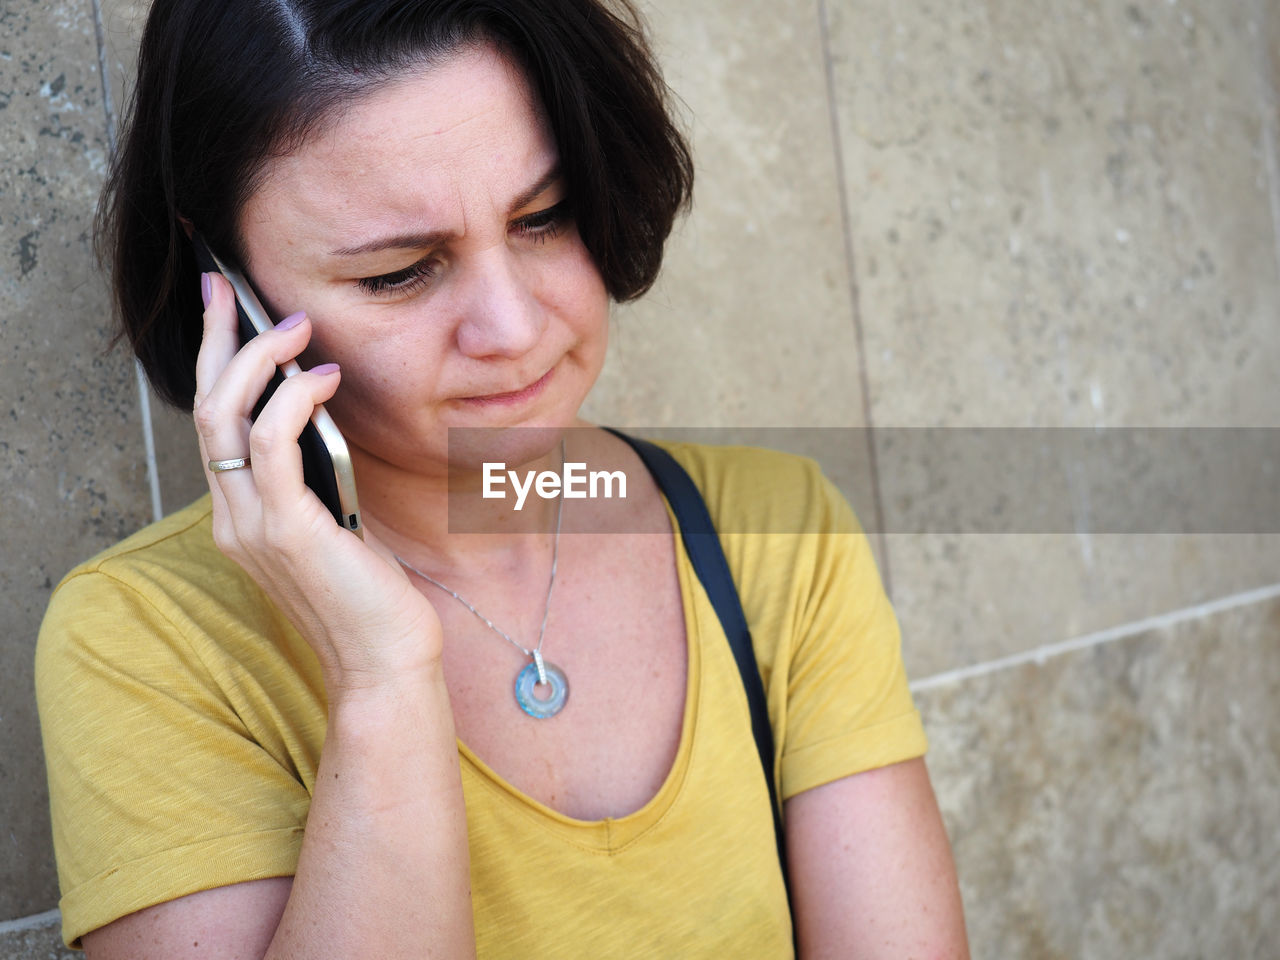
[[521, 441], [472, 447], [521, 433]]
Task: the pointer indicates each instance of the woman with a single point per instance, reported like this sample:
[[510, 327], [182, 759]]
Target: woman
[[452, 192]]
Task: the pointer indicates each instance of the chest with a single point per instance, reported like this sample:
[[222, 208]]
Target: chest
[[616, 628]]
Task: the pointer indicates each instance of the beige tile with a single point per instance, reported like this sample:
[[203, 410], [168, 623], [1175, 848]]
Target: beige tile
[[70, 451], [1088, 531], [751, 323], [1119, 801], [1060, 212], [1061, 216], [41, 941], [966, 599]]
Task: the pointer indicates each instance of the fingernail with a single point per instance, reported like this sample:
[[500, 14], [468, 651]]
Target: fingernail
[[325, 369], [292, 320], [206, 288]]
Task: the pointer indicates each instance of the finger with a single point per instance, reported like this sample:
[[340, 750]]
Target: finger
[[223, 415], [218, 345], [221, 339], [273, 441], [230, 379], [221, 433]]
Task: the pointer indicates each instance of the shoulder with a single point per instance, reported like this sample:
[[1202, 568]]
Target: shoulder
[[166, 586], [824, 633], [797, 553], [184, 532], [125, 575], [181, 536], [757, 490]]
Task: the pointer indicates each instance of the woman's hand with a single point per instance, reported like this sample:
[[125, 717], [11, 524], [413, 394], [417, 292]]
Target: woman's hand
[[348, 598], [383, 870]]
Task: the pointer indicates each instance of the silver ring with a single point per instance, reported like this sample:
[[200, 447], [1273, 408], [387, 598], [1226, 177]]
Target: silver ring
[[218, 466]]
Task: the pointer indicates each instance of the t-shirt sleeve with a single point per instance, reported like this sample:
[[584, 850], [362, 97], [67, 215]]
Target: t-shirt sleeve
[[826, 636], [157, 790], [848, 706]]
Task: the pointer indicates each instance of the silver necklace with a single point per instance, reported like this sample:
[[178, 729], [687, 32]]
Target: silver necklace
[[537, 672]]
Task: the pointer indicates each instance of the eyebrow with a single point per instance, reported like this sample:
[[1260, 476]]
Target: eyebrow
[[419, 239]]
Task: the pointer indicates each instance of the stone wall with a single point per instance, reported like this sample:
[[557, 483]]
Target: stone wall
[[1014, 213]]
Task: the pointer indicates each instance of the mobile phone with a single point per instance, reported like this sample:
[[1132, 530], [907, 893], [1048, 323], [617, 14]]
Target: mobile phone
[[326, 461]]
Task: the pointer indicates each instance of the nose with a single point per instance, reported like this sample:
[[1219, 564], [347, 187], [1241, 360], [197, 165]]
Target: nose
[[502, 317]]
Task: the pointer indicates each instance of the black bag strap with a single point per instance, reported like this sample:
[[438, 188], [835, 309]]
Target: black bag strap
[[707, 556]]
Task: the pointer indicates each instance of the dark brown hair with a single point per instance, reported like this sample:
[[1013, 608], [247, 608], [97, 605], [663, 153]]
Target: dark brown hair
[[224, 86]]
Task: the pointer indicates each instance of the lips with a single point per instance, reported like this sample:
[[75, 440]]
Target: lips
[[515, 396]]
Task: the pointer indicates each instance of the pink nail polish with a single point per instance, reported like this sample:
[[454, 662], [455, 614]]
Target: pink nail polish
[[292, 320], [325, 369], [206, 288]]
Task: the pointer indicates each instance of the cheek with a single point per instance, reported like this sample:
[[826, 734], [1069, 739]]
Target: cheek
[[384, 354], [576, 290], [369, 340]]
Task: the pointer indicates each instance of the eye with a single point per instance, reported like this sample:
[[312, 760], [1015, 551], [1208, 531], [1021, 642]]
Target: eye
[[409, 279], [545, 224]]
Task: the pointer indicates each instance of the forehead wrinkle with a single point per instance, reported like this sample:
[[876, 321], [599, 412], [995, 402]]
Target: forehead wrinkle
[[450, 128], [363, 118], [378, 170]]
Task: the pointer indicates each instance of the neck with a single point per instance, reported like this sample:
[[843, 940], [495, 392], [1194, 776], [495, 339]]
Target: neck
[[440, 521]]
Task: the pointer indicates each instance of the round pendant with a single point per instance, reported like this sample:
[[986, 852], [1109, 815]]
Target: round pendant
[[530, 702]]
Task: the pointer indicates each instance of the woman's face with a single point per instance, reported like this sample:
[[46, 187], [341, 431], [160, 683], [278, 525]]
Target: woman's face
[[426, 234]]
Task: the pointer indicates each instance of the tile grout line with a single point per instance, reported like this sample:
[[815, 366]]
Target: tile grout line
[[144, 401], [30, 923], [855, 299], [108, 107], [149, 441], [1040, 654]]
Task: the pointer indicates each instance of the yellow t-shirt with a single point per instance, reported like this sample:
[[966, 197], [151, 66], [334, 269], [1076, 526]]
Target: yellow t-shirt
[[183, 719]]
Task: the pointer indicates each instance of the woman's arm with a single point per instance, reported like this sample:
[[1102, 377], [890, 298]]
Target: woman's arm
[[871, 869], [383, 870], [234, 921]]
